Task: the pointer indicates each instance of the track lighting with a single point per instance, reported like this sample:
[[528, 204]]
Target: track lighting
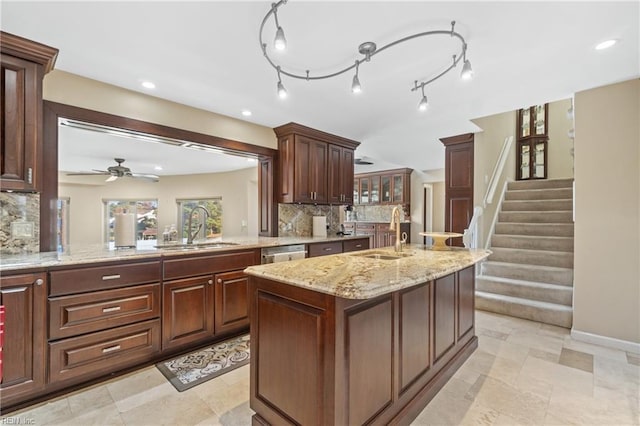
[[368, 49], [282, 92], [355, 84]]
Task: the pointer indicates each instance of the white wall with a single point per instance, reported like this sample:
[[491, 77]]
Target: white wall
[[239, 215], [607, 224], [418, 179]]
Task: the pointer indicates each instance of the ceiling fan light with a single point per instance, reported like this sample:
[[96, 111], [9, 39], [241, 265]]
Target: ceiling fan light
[[422, 106], [467, 72], [282, 92], [280, 42], [606, 44]]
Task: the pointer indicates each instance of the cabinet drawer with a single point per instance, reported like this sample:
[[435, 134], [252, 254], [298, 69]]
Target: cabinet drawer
[[323, 249], [355, 245], [89, 312], [84, 280], [365, 228], [192, 266], [100, 353]]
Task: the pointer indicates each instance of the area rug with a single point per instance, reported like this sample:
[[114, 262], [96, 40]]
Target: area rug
[[189, 370]]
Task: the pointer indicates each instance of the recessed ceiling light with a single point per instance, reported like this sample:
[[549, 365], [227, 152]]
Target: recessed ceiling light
[[606, 44], [148, 85], [158, 168], [246, 112]]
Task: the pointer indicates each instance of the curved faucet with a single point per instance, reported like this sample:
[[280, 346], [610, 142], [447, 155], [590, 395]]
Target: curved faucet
[[395, 226], [191, 236]]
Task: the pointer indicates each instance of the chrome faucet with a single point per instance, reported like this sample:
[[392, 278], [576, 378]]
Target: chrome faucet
[[191, 236], [395, 226]]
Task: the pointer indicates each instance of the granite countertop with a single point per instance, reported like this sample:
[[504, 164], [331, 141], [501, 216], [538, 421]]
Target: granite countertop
[[355, 276], [85, 254]]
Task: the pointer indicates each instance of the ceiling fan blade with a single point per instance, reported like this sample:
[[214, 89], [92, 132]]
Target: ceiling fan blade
[[95, 173], [111, 178], [152, 178]]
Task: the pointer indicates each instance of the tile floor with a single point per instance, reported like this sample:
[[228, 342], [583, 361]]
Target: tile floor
[[522, 373]]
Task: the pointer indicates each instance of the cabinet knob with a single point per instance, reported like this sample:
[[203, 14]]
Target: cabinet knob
[[39, 281], [210, 282], [219, 280]]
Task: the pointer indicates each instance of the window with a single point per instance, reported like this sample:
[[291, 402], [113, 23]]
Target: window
[[146, 213], [213, 226]]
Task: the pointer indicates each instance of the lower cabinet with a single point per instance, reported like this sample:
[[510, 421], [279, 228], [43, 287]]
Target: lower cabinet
[[379, 233], [24, 298], [334, 247], [231, 304]]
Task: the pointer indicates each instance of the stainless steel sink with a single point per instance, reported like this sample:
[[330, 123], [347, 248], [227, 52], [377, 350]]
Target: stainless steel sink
[[196, 246], [384, 255]]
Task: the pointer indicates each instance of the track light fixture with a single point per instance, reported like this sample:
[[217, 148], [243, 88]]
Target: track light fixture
[[368, 49]]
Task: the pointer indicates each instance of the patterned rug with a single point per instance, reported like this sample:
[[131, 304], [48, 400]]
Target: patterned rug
[[196, 367]]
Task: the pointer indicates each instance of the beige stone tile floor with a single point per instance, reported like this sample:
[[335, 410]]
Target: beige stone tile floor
[[523, 373]]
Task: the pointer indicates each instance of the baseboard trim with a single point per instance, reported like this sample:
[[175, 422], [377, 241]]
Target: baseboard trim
[[596, 339]]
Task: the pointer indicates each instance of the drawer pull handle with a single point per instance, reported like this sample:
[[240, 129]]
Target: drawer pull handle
[[328, 249], [110, 277], [110, 349], [111, 309], [358, 245]]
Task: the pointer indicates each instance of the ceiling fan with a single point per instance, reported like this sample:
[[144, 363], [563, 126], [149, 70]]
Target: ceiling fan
[[362, 161], [115, 172]]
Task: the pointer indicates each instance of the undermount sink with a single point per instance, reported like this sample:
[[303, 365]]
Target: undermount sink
[[196, 246], [383, 255]]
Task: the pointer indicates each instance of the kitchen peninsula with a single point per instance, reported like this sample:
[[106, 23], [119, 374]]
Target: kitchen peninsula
[[359, 338]]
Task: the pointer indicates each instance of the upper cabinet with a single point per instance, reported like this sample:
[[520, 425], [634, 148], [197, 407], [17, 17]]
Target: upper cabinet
[[531, 146], [314, 166], [383, 187], [23, 66]]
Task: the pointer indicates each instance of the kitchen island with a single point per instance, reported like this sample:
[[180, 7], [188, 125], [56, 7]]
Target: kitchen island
[[367, 337]]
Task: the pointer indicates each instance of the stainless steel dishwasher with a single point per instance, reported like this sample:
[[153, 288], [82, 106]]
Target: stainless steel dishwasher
[[283, 253]]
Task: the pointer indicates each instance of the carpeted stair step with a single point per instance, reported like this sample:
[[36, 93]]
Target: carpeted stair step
[[540, 184], [561, 259], [538, 273], [542, 229], [536, 217], [548, 313], [543, 292], [537, 205], [536, 242], [539, 194]]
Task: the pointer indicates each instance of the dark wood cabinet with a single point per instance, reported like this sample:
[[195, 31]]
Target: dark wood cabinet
[[314, 167], [24, 298], [458, 181], [231, 303], [384, 187], [23, 65], [379, 233], [531, 142]]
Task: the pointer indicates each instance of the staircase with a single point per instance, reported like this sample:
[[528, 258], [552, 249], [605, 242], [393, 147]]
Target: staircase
[[530, 273]]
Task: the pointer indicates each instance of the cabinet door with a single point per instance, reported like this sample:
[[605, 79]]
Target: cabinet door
[[364, 191], [187, 311], [310, 177], [539, 159], [356, 191], [336, 191], [231, 299], [375, 189], [385, 196], [347, 175], [21, 124], [398, 188], [24, 298]]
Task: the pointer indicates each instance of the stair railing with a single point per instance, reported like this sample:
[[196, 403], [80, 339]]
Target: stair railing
[[497, 171], [470, 235]]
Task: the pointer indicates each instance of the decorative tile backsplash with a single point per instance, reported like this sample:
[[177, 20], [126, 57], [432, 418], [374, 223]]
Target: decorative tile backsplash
[[296, 220], [372, 214], [19, 223]]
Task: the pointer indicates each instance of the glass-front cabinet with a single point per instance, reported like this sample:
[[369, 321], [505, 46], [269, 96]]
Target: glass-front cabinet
[[531, 160], [385, 197], [375, 189]]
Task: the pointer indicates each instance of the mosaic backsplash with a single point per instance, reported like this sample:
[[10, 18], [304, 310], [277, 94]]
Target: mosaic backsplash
[[19, 223], [296, 220], [372, 214]]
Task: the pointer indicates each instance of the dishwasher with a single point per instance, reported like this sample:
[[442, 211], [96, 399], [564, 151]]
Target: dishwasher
[[283, 253]]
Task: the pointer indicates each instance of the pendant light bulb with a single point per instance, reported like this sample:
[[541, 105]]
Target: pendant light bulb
[[282, 92], [355, 85], [422, 106], [467, 72], [280, 43]]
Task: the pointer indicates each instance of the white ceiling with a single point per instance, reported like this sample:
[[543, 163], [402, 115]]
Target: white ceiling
[[206, 54]]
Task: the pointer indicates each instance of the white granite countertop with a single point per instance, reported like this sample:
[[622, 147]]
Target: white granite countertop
[[355, 276], [99, 253]]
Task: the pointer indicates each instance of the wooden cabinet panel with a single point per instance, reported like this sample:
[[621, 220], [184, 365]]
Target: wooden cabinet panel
[[340, 175], [24, 298], [415, 357], [355, 245], [84, 313], [445, 310], [466, 301], [84, 280], [369, 334], [310, 170], [187, 311], [324, 249], [23, 64], [96, 354], [231, 301], [268, 210], [182, 267]]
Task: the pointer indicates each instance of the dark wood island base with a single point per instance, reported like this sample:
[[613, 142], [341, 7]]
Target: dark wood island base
[[319, 359]]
